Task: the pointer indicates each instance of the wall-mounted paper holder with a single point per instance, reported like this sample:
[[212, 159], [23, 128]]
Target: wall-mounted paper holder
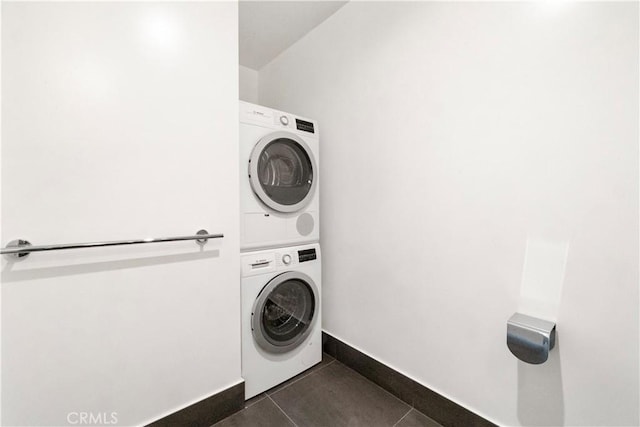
[[530, 339]]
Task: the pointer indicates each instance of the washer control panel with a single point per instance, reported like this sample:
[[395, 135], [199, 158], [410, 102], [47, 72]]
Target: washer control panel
[[307, 255], [293, 257], [277, 260], [260, 263]]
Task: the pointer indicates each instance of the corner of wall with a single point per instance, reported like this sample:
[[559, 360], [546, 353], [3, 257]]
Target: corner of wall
[[248, 90]]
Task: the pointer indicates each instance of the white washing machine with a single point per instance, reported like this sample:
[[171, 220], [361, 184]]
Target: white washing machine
[[279, 195], [281, 319]]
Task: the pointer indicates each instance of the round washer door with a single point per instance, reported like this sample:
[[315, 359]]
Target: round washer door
[[285, 311], [282, 172]]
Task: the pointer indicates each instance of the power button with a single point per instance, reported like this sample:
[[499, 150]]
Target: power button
[[286, 259], [284, 120]]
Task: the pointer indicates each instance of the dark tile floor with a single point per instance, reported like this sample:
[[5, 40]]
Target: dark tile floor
[[327, 395]]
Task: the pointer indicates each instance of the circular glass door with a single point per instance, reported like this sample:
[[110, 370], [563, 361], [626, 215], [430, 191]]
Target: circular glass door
[[282, 172], [284, 312]]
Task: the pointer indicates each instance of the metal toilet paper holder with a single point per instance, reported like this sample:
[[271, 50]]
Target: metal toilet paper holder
[[529, 338]]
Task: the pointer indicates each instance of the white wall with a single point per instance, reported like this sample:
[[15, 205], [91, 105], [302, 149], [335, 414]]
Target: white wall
[[119, 122], [248, 85], [454, 136]]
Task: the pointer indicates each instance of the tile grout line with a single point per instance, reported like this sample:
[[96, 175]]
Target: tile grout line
[[282, 410], [257, 401], [301, 378], [378, 385], [403, 417]]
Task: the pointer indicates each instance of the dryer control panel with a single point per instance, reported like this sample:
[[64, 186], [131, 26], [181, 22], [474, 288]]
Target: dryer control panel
[[305, 126], [274, 119]]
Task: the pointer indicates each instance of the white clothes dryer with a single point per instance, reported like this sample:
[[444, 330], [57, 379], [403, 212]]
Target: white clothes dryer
[[281, 317], [279, 194]]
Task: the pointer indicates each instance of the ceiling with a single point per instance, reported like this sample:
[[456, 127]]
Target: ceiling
[[269, 27]]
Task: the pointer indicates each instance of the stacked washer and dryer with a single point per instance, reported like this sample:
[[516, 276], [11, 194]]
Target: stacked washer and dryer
[[279, 241]]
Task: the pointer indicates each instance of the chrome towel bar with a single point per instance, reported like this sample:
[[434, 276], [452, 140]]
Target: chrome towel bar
[[18, 249]]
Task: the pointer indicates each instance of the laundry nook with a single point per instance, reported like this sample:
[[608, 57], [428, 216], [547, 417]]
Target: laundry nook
[[354, 213]]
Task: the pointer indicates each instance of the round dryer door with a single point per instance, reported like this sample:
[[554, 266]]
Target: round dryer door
[[282, 172], [284, 312]]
